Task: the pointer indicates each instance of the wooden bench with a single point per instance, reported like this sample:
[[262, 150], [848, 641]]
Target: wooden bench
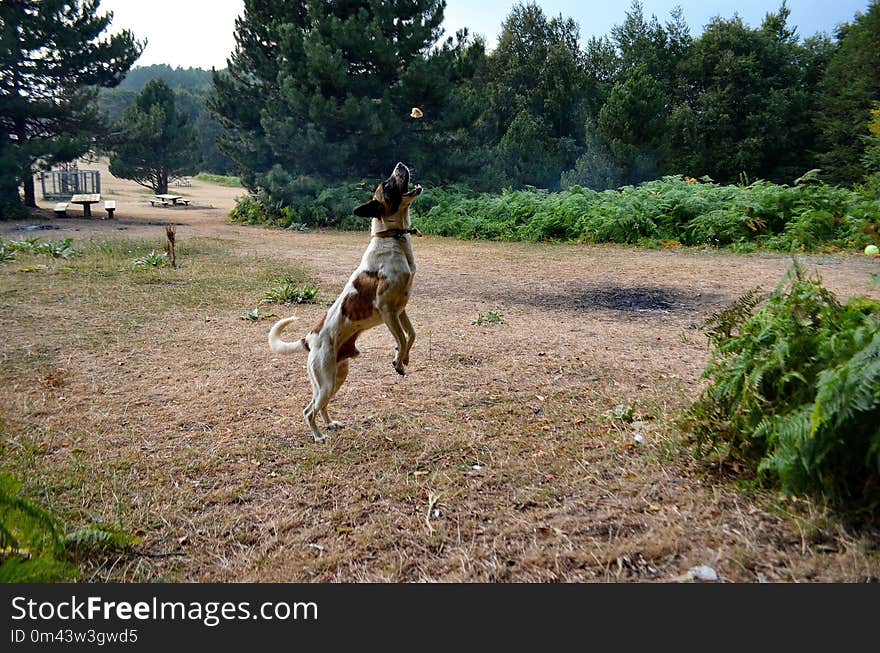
[[169, 200], [110, 207], [61, 209]]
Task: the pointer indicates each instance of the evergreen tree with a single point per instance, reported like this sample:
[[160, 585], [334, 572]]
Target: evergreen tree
[[318, 88], [747, 98], [155, 143], [634, 124], [849, 89], [535, 94], [53, 56]]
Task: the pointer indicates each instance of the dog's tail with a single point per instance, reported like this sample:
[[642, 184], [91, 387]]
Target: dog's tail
[[279, 346]]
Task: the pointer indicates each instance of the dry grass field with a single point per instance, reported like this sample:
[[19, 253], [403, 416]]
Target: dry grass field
[[141, 399]]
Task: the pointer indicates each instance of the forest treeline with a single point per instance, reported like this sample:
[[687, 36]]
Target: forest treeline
[[317, 96], [321, 93]]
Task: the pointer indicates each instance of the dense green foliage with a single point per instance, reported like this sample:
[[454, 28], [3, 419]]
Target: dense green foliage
[[191, 89], [31, 540], [324, 90], [53, 56], [35, 545], [795, 391], [154, 143], [806, 216], [303, 202], [849, 89], [329, 89]]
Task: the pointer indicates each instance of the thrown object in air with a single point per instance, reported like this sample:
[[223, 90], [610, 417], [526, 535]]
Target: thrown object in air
[[416, 113]]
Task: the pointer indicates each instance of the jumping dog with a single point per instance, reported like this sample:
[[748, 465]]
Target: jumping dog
[[377, 292]]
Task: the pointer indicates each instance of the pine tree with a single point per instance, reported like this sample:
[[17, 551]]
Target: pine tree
[[535, 94], [53, 56], [155, 144], [849, 89], [325, 88], [746, 104]]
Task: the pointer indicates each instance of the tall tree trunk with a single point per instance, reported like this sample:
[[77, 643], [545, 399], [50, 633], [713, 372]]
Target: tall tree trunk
[[30, 195], [163, 183]]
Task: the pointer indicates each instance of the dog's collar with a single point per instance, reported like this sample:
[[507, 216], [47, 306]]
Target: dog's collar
[[396, 233]]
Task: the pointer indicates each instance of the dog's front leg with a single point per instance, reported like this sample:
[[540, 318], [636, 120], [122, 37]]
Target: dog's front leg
[[392, 321]]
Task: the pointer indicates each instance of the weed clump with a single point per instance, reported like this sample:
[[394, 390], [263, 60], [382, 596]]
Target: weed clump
[[288, 291]]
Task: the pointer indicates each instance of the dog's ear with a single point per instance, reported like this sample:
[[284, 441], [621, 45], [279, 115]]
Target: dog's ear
[[372, 209]]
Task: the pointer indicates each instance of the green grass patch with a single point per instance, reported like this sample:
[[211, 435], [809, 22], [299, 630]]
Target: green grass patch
[[491, 317], [211, 278], [220, 180], [37, 547]]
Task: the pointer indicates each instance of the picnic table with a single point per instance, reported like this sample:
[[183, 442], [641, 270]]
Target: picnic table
[[167, 198], [86, 200]]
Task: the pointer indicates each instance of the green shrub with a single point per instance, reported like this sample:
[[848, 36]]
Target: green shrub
[[31, 541], [152, 260], [804, 217], [248, 210], [221, 180], [794, 391], [289, 291], [6, 253], [492, 317], [55, 249]]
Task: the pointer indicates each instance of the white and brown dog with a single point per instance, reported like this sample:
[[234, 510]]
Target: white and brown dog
[[377, 292]]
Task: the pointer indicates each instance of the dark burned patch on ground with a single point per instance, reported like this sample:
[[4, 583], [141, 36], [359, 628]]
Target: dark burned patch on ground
[[622, 298]]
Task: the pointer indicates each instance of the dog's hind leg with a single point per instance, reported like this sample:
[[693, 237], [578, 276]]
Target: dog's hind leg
[[392, 321], [341, 374], [410, 336], [323, 377]]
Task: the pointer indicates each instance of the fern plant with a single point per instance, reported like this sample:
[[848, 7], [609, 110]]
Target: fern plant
[[31, 544], [794, 391]]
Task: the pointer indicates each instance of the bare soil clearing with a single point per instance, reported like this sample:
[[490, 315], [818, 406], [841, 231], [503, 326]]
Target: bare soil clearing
[[142, 399]]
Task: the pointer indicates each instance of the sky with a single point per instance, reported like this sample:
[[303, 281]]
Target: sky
[[199, 33]]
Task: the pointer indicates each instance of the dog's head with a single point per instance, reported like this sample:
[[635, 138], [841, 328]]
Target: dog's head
[[392, 197]]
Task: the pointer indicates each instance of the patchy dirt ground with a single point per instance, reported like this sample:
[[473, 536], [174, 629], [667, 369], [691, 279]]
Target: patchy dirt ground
[[142, 399]]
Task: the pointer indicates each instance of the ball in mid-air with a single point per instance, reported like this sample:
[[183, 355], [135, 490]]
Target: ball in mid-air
[[416, 113], [872, 250]]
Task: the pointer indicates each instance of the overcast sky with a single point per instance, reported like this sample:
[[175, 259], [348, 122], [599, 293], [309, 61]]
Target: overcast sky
[[199, 32]]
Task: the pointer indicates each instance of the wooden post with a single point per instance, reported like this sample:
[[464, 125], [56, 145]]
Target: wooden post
[[169, 246]]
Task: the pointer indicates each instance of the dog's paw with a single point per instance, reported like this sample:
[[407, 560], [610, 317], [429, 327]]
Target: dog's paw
[[334, 425], [399, 368], [320, 439]]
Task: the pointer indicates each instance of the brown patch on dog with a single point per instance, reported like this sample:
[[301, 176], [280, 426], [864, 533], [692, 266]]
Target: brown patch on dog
[[379, 196], [348, 350], [358, 305], [305, 344]]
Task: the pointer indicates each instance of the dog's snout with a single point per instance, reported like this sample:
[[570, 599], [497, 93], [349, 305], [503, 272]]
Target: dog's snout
[[401, 172]]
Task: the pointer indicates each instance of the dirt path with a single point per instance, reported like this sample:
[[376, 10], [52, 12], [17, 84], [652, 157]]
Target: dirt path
[[490, 461]]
